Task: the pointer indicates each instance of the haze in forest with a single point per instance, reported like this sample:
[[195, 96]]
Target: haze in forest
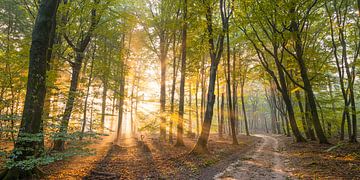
[[185, 89]]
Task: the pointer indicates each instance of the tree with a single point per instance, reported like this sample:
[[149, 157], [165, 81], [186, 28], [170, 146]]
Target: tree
[[243, 76], [342, 43], [296, 31], [88, 89], [215, 56], [180, 126], [30, 135], [231, 105], [268, 30], [162, 15], [79, 48]]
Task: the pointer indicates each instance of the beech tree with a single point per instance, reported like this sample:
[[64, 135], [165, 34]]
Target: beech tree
[[215, 56], [43, 33]]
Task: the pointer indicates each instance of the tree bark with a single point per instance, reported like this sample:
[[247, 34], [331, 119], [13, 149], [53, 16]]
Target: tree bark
[[88, 91], [40, 51], [196, 107], [215, 56], [242, 84], [190, 112], [59, 144], [173, 88], [163, 87], [80, 48], [303, 120], [228, 86], [218, 108], [103, 102], [122, 80], [222, 114], [294, 27], [180, 125]]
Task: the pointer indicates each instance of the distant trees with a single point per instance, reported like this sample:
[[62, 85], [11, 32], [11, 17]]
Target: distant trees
[[345, 47], [162, 14]]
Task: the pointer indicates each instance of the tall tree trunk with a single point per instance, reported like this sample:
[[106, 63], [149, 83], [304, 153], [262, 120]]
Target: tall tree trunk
[[196, 106], [286, 97], [40, 51], [103, 103], [180, 125], [136, 102], [173, 88], [79, 49], [272, 104], [294, 26], [163, 54], [59, 144], [222, 113], [190, 112], [284, 116], [309, 120], [122, 80], [301, 107], [228, 85], [203, 91], [88, 91], [332, 105], [218, 107], [215, 56], [235, 97], [242, 84]]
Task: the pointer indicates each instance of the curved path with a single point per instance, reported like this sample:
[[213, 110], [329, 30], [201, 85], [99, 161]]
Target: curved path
[[262, 163]]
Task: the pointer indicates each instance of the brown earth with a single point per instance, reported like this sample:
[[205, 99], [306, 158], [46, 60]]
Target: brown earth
[[150, 159], [312, 160]]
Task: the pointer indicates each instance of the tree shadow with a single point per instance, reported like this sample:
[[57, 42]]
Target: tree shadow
[[128, 159]]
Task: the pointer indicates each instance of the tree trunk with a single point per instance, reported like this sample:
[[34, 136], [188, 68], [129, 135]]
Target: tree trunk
[[40, 51], [88, 92], [59, 144], [218, 108], [173, 88], [235, 97], [303, 121], [162, 88], [228, 86], [294, 26], [190, 112], [180, 125], [242, 84], [215, 56], [202, 107], [222, 113], [103, 103], [287, 101], [122, 80], [309, 120], [196, 106]]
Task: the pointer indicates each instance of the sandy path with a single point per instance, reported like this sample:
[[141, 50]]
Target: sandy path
[[262, 163]]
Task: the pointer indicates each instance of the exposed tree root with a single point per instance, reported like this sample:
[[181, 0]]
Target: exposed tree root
[[198, 150]]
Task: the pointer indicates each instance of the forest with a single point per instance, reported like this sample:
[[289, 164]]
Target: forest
[[179, 89]]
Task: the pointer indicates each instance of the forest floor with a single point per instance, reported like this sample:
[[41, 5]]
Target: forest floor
[[257, 157], [312, 160], [150, 159], [278, 157]]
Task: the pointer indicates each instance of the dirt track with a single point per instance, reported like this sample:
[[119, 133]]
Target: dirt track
[[262, 163]]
